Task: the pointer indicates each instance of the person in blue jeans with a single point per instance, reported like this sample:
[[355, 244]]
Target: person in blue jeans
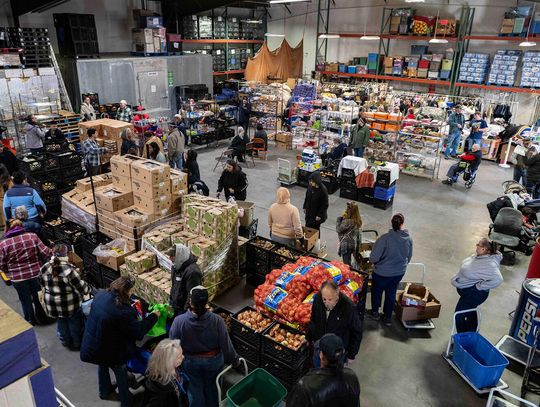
[[111, 331], [478, 274], [207, 347], [456, 121], [391, 254], [478, 128]]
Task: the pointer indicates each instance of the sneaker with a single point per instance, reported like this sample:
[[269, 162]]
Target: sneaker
[[447, 182], [374, 315], [387, 321], [446, 157]]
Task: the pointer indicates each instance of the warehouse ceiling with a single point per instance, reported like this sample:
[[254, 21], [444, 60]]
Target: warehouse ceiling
[[188, 7]]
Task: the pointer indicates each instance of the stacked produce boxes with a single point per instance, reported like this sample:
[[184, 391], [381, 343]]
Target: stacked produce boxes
[[530, 77], [473, 68]]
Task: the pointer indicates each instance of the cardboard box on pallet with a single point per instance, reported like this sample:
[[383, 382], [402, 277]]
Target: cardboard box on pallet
[[183, 237], [158, 239], [176, 204], [121, 165], [158, 206], [92, 124], [150, 172], [140, 262], [203, 248], [133, 217], [122, 182], [111, 129], [151, 191], [113, 199], [108, 228], [85, 184], [179, 182]]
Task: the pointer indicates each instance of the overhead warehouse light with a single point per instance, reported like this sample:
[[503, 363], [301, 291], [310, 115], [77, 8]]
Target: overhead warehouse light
[[289, 1], [329, 36], [252, 21], [370, 38], [415, 1], [274, 35]]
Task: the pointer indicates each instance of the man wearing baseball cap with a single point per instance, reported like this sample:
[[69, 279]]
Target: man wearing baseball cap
[[331, 384]]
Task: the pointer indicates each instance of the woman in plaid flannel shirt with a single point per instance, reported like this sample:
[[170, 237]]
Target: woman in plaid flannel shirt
[[64, 290]]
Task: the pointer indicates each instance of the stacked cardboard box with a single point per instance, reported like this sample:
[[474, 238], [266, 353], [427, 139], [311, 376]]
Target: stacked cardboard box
[[107, 133], [149, 39], [473, 67], [111, 199], [504, 68], [530, 76]]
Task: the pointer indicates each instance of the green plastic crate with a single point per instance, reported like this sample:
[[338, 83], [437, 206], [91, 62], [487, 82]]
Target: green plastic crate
[[257, 389]]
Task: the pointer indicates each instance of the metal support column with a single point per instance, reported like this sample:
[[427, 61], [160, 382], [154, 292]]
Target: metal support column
[[462, 45], [322, 27]]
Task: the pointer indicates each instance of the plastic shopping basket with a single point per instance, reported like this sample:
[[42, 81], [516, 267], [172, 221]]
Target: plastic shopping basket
[[257, 389], [478, 359]]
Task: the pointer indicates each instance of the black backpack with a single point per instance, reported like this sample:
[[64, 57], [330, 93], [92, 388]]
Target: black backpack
[[499, 203]]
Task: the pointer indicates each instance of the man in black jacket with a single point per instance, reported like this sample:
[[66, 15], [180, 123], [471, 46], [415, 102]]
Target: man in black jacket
[[333, 312], [316, 202], [532, 161], [185, 275], [332, 385], [233, 181]]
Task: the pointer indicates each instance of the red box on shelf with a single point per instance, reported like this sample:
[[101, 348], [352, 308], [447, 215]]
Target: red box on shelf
[[423, 64]]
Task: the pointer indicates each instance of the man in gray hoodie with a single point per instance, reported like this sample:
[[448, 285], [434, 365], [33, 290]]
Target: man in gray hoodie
[[34, 135], [391, 254]]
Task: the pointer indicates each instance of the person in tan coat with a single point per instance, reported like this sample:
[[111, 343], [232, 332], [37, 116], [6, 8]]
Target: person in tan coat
[[284, 219]]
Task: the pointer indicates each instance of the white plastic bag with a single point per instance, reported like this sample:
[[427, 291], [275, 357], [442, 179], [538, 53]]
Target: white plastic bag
[[107, 250]]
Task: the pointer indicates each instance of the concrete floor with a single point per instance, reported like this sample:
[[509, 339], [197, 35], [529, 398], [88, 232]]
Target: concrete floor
[[395, 367]]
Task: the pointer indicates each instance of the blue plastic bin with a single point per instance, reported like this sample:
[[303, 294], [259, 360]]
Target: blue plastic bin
[[384, 194], [478, 359]]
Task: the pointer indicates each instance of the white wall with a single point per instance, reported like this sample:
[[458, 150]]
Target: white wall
[[353, 15], [114, 21]]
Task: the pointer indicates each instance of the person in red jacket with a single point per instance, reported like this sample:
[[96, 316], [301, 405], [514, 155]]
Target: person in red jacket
[[474, 157]]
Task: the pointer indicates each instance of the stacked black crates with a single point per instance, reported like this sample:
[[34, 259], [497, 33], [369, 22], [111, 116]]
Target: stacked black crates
[[35, 43], [233, 28], [190, 25], [77, 35], [250, 30], [384, 191], [220, 29], [348, 189], [205, 27], [246, 341], [258, 260], [219, 59], [93, 272]]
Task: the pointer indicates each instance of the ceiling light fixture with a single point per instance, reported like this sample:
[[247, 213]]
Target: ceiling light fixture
[[252, 21], [528, 43], [274, 35], [436, 40], [288, 1], [415, 1], [329, 36], [366, 37]]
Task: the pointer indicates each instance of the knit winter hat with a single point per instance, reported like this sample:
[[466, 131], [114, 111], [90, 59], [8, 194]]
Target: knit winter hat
[[181, 255]]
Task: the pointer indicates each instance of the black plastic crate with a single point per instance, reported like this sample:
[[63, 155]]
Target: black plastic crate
[[366, 195], [349, 193], [383, 178], [247, 351], [347, 182], [258, 267], [68, 159], [71, 232], [43, 183], [286, 374], [254, 279], [291, 357], [331, 184], [256, 253], [55, 146], [51, 198], [92, 275], [51, 162], [108, 275], [32, 164], [243, 332], [278, 260], [347, 173], [74, 171], [302, 178], [91, 241], [377, 203], [250, 231]]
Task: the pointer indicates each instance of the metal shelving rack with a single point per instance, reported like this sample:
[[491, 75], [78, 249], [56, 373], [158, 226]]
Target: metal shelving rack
[[461, 42]]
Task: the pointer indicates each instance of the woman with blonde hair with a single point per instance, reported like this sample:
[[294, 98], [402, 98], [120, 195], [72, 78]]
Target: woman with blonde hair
[[164, 386], [349, 230], [284, 219]]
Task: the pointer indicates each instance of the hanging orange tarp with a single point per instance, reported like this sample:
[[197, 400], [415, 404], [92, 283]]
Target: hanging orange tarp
[[284, 62]]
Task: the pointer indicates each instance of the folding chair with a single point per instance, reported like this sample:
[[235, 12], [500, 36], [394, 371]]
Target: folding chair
[[259, 147], [249, 153], [225, 155]]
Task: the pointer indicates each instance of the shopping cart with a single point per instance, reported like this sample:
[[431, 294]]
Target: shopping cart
[[258, 388], [482, 375], [287, 173], [423, 323]]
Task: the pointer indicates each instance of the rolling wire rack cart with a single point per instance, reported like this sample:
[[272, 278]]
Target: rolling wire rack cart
[[423, 323], [287, 173]]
